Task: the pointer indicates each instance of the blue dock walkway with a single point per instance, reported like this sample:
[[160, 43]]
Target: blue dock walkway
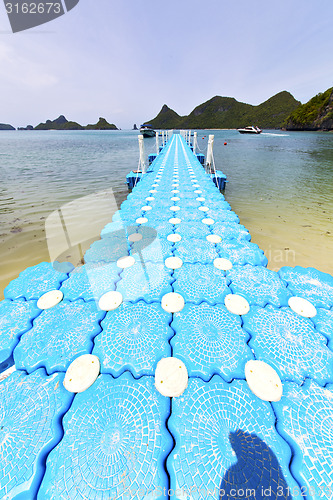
[[183, 281]]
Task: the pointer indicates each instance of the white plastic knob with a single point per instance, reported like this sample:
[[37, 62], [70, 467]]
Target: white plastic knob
[[171, 377], [172, 302], [263, 380], [110, 301], [82, 373], [126, 261], [236, 304], [50, 299], [222, 264], [302, 307]]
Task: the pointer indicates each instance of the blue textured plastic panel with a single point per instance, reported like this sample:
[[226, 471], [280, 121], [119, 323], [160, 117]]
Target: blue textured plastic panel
[[231, 230], [210, 340], [226, 440], [289, 342], [313, 285], [157, 251], [201, 282], [193, 216], [242, 253], [258, 285], [91, 281], [156, 229], [188, 203], [193, 230], [135, 337], [148, 281], [193, 250], [59, 335], [127, 219], [115, 432], [31, 407], [305, 416], [107, 250], [34, 282], [15, 319], [324, 324], [158, 216]]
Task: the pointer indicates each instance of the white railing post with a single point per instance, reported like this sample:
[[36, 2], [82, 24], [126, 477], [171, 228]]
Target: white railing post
[[210, 151], [195, 142], [142, 154], [157, 143]]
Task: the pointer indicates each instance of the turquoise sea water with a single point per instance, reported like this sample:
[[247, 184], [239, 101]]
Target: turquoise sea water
[[280, 184]]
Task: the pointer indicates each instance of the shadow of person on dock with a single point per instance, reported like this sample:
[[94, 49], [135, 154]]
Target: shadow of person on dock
[[256, 475]]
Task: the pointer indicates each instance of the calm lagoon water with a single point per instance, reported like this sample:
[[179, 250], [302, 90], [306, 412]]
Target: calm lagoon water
[[280, 184]]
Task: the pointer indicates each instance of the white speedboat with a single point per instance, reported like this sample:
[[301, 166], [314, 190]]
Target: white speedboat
[[249, 130], [147, 130]]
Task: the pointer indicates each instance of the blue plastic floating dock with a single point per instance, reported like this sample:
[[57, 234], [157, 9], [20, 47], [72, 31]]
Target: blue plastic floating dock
[[121, 438]]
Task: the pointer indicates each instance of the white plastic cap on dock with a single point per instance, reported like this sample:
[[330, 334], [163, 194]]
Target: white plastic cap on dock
[[146, 208], [197, 191], [302, 307], [222, 264], [175, 208], [263, 380], [236, 304], [110, 301], [126, 261], [214, 238], [171, 377], [172, 302], [175, 220], [150, 198], [134, 237], [175, 198], [173, 262], [174, 237], [200, 198], [50, 299], [208, 221], [82, 373], [203, 209], [141, 220], [153, 191], [175, 191]]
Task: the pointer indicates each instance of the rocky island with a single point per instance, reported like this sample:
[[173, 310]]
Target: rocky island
[[227, 112], [6, 126], [316, 114], [61, 123]]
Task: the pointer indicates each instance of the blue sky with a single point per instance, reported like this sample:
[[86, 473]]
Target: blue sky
[[124, 59]]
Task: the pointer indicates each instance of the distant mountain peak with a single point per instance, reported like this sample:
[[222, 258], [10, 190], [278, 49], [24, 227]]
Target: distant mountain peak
[[60, 120], [227, 112]]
